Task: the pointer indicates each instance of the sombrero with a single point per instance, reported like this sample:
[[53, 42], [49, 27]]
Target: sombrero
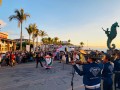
[[83, 52]]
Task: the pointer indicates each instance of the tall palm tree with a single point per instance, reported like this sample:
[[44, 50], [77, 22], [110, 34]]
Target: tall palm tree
[[36, 36], [0, 2], [81, 44], [34, 33], [29, 30], [20, 16]]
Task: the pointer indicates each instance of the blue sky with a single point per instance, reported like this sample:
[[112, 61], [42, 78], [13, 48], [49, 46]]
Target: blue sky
[[77, 20]]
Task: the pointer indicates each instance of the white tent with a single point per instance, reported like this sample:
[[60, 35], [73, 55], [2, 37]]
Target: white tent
[[63, 48]]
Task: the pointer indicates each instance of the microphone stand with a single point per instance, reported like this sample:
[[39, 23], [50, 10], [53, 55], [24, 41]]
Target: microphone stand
[[73, 73]]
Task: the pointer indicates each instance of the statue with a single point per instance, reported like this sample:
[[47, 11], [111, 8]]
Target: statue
[[111, 35]]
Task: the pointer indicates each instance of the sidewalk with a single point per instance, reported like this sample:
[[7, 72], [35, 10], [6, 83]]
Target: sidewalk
[[27, 77]]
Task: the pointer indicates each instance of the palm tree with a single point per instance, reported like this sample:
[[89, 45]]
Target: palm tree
[[45, 40], [49, 40], [42, 33], [81, 44], [69, 41], [34, 34], [29, 30], [20, 16], [0, 2], [56, 40]]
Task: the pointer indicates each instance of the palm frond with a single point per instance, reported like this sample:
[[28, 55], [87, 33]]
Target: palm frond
[[18, 14], [42, 33], [24, 17], [0, 2], [13, 17]]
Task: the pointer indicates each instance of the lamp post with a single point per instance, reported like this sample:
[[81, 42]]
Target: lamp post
[[0, 25]]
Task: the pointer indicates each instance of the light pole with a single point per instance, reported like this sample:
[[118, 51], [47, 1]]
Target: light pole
[[0, 25], [87, 44]]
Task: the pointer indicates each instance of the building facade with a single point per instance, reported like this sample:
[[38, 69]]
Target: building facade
[[23, 40], [6, 44]]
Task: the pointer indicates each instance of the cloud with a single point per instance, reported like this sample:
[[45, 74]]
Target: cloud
[[3, 24]]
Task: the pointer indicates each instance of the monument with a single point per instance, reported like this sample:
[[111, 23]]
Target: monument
[[111, 35]]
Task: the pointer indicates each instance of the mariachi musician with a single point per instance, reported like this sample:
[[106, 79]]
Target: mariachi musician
[[91, 73]]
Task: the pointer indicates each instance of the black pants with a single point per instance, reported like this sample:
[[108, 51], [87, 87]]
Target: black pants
[[7, 61], [117, 80], [38, 61], [107, 84]]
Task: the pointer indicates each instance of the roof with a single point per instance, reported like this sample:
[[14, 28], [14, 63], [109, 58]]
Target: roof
[[7, 39]]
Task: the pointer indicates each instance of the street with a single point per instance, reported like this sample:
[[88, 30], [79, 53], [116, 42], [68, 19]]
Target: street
[[27, 77]]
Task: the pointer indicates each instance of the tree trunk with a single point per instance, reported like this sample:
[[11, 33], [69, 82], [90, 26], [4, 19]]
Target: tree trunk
[[29, 39], [37, 43], [21, 38], [33, 44]]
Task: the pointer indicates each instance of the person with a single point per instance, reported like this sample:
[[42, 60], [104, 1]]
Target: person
[[39, 58], [107, 72], [0, 58], [117, 70], [12, 59], [7, 60], [49, 61], [67, 57], [91, 73], [63, 57]]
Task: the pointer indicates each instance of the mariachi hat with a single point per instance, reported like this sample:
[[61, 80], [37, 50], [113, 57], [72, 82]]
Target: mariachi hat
[[83, 52], [107, 55], [93, 56]]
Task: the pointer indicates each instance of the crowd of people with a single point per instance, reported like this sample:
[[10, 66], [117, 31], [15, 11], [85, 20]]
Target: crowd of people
[[13, 58], [97, 66]]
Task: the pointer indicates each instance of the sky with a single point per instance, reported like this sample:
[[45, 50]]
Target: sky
[[77, 20]]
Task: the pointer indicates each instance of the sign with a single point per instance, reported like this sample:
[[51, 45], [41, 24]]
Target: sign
[[28, 48]]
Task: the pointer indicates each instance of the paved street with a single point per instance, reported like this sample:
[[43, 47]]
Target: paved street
[[27, 77]]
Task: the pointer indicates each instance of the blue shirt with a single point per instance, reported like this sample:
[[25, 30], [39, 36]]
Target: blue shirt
[[107, 73], [108, 70], [91, 73], [117, 65]]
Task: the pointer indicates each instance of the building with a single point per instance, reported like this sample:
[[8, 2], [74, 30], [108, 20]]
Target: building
[[23, 40], [36, 44], [6, 44]]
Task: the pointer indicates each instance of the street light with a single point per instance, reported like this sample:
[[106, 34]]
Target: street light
[[0, 25]]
